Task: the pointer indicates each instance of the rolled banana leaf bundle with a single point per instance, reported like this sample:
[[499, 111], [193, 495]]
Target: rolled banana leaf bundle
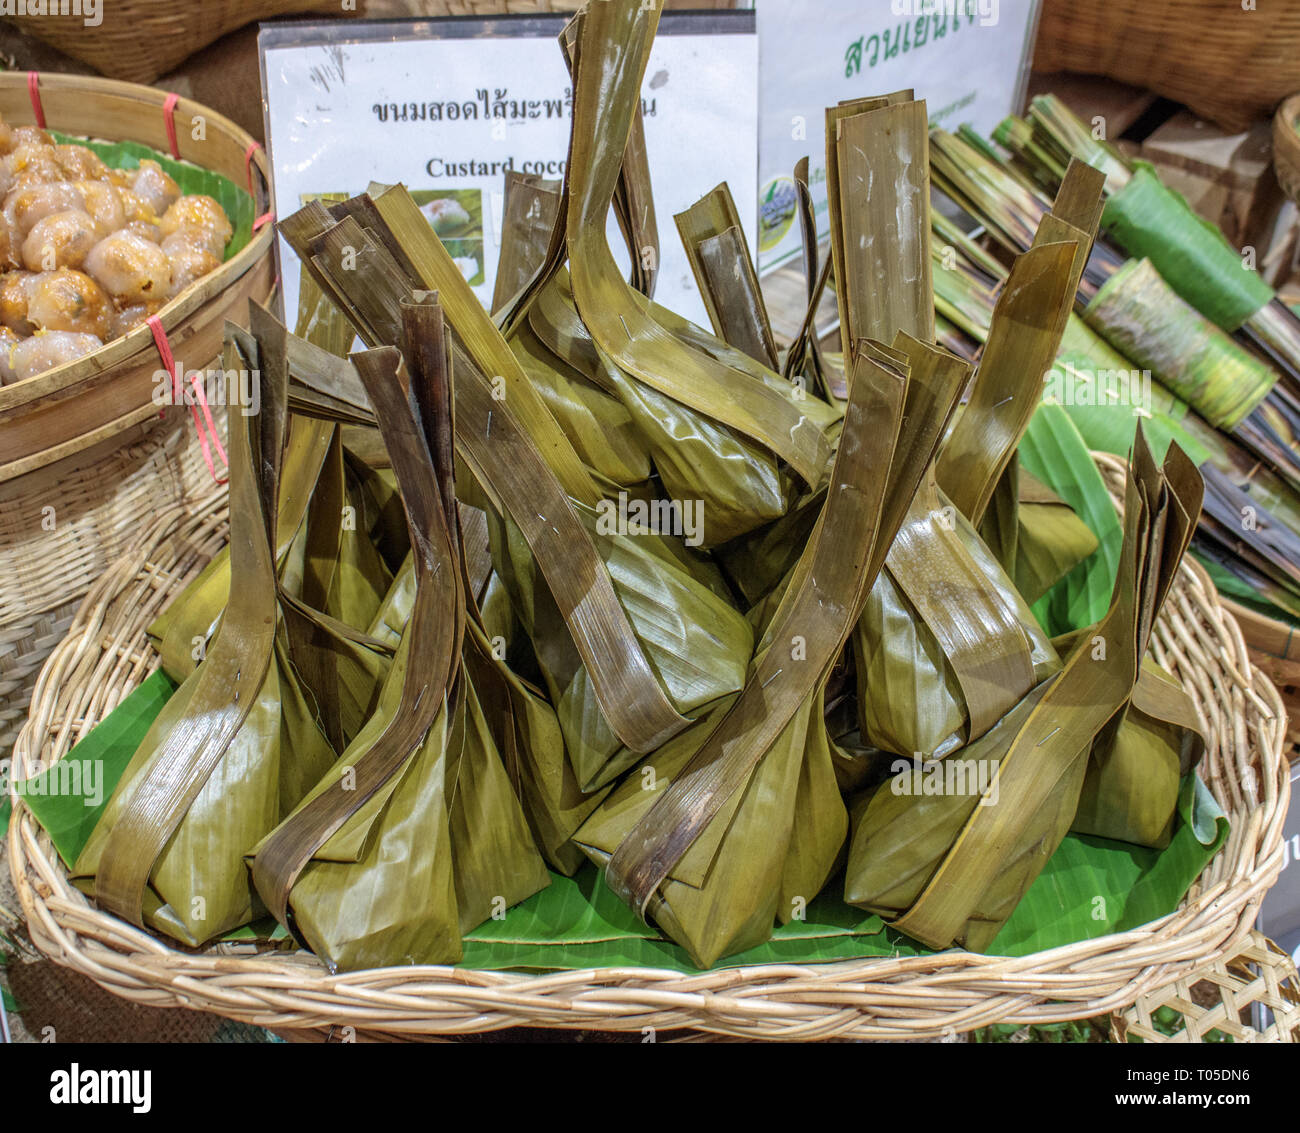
[[1150, 221], [1139, 314], [1104, 392], [945, 851]]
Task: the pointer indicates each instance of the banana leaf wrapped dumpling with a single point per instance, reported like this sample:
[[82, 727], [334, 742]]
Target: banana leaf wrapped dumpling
[[232, 750], [415, 835], [701, 837], [949, 865]]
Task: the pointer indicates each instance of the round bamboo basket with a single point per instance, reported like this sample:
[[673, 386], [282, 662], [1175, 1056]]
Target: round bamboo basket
[[1286, 146], [106, 654], [138, 40], [83, 452], [1227, 63]]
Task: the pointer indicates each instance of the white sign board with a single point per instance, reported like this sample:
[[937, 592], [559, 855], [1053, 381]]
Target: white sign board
[[447, 106], [967, 58]]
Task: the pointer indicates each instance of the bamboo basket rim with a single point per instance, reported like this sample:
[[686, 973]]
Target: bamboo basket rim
[[17, 396], [885, 998], [1286, 145]]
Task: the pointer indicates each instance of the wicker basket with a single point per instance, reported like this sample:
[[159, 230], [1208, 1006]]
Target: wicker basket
[[1275, 651], [1228, 64], [83, 453], [1221, 999], [76, 405], [139, 40], [1286, 146], [106, 654]]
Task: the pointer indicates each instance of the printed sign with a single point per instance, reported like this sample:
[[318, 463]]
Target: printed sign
[[967, 58], [447, 106]]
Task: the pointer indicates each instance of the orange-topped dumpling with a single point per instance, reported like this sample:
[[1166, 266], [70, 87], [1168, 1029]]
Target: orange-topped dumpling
[[72, 301], [27, 204], [203, 219], [61, 239], [15, 291], [79, 163], [130, 268], [104, 203], [190, 257]]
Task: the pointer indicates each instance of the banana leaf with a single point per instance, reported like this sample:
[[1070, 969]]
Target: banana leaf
[[1053, 450], [634, 209], [415, 834], [1024, 338], [724, 272], [949, 870], [804, 359], [527, 218], [233, 750]]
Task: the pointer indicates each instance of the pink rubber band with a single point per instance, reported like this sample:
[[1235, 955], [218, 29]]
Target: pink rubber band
[[34, 92], [169, 363], [169, 118]]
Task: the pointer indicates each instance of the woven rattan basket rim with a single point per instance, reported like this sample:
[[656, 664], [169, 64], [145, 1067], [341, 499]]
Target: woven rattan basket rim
[[1286, 146], [1223, 61], [144, 38], [900, 997], [97, 107]]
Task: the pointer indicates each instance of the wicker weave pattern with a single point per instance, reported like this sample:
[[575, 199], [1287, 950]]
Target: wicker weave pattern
[[62, 526], [1227, 63], [1286, 146], [106, 654], [1260, 973], [142, 39]]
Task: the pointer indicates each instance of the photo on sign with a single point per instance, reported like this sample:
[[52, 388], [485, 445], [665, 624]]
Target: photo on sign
[[776, 212], [455, 215]]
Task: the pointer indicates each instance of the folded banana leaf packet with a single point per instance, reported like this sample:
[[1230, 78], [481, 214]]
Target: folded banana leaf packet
[[743, 623]]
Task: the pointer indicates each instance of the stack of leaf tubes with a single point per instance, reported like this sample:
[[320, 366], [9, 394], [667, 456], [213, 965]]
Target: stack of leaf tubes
[[1133, 324]]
